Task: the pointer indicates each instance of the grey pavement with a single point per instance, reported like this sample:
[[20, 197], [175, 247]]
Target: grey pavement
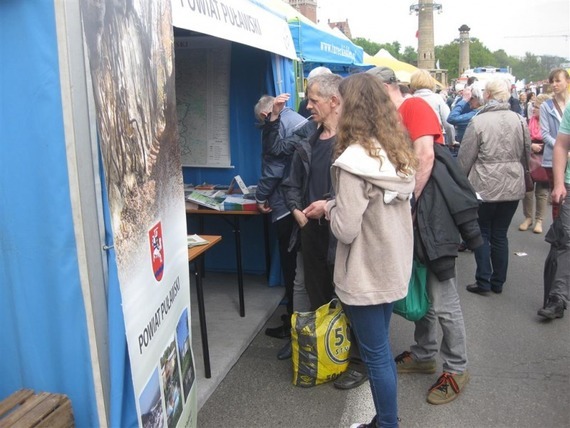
[[519, 365]]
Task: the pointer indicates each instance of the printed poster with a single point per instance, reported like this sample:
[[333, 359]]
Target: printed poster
[[130, 51]]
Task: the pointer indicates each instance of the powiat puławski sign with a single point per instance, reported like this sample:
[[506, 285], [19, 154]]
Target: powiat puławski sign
[[130, 50]]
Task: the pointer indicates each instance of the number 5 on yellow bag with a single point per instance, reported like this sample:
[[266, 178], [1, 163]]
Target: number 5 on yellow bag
[[321, 344]]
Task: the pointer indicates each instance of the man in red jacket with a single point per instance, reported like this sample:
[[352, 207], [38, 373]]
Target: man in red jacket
[[424, 130]]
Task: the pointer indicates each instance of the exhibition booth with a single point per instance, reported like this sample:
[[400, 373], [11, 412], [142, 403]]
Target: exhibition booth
[[95, 291]]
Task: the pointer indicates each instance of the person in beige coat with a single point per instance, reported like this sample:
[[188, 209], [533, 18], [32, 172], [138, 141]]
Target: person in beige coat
[[373, 179], [492, 155]]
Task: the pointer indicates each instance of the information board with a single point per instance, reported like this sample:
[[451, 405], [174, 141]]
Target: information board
[[202, 100]]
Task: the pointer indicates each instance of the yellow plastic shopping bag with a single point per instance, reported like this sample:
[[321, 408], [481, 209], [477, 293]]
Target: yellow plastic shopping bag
[[321, 344]]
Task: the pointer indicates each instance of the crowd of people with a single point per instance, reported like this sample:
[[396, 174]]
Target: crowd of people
[[375, 174]]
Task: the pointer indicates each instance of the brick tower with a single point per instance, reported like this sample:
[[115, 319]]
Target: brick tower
[[424, 9], [308, 8], [463, 48]]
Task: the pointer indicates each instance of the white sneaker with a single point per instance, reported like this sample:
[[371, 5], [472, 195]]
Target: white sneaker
[[372, 424]]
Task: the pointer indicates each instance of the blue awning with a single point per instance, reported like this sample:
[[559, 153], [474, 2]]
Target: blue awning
[[316, 45]]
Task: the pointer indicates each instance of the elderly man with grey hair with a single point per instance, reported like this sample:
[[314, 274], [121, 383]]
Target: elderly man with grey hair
[[270, 200], [307, 188], [303, 110]]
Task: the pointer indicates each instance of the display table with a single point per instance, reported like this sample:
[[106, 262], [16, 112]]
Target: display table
[[195, 255], [234, 219]]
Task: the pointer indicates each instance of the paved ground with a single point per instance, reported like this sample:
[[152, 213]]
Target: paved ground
[[520, 366]]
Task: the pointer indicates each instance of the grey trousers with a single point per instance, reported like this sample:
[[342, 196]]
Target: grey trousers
[[445, 309], [561, 284]]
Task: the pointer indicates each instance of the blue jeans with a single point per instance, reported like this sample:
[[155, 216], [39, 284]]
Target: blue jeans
[[493, 256], [371, 326]]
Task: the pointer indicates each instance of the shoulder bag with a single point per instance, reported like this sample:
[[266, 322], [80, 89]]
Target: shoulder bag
[[415, 305], [528, 182]]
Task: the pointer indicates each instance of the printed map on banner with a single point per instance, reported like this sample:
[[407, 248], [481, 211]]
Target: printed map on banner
[[202, 101]]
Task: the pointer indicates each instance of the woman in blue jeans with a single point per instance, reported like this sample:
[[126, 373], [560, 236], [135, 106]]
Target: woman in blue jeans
[[495, 146], [373, 179]]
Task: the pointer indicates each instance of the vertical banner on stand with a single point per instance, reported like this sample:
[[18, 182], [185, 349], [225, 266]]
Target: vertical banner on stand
[[130, 49]]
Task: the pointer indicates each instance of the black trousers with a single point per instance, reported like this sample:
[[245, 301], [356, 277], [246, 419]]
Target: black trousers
[[318, 271], [288, 259]]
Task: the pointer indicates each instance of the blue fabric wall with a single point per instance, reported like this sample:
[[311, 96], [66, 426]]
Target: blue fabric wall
[[253, 73], [43, 338], [123, 410]]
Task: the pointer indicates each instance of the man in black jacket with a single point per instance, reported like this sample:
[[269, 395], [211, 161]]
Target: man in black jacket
[[308, 182]]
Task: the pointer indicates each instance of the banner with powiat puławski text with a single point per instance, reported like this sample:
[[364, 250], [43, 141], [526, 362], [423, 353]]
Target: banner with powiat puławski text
[[130, 51]]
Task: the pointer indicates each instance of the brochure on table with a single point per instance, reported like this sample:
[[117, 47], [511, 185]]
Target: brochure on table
[[235, 197]]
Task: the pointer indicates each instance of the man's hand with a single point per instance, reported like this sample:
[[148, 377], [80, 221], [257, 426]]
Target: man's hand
[[559, 162], [264, 208], [316, 210], [559, 193], [300, 218], [536, 148], [278, 106]]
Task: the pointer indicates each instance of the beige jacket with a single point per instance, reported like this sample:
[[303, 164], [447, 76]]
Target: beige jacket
[[371, 219], [492, 151]]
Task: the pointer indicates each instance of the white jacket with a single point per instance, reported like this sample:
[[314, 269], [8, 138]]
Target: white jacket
[[371, 219]]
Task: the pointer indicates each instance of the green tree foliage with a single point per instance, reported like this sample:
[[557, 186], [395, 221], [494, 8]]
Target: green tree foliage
[[480, 55], [448, 57], [410, 56], [372, 48], [393, 48], [532, 68], [369, 47]]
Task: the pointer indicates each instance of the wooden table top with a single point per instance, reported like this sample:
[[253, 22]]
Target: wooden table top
[[201, 249]]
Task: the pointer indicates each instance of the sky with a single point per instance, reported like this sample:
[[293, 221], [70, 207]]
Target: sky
[[496, 23]]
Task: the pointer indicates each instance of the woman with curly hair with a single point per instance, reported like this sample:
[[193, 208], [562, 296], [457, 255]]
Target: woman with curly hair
[[373, 178]]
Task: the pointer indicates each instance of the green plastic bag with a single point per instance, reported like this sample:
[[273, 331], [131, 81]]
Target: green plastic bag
[[415, 305]]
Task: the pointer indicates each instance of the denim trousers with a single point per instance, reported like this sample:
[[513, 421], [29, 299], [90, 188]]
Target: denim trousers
[[561, 285], [445, 309], [492, 257], [371, 326]]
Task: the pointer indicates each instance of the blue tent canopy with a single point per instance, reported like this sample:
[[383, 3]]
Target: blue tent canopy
[[316, 45]]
